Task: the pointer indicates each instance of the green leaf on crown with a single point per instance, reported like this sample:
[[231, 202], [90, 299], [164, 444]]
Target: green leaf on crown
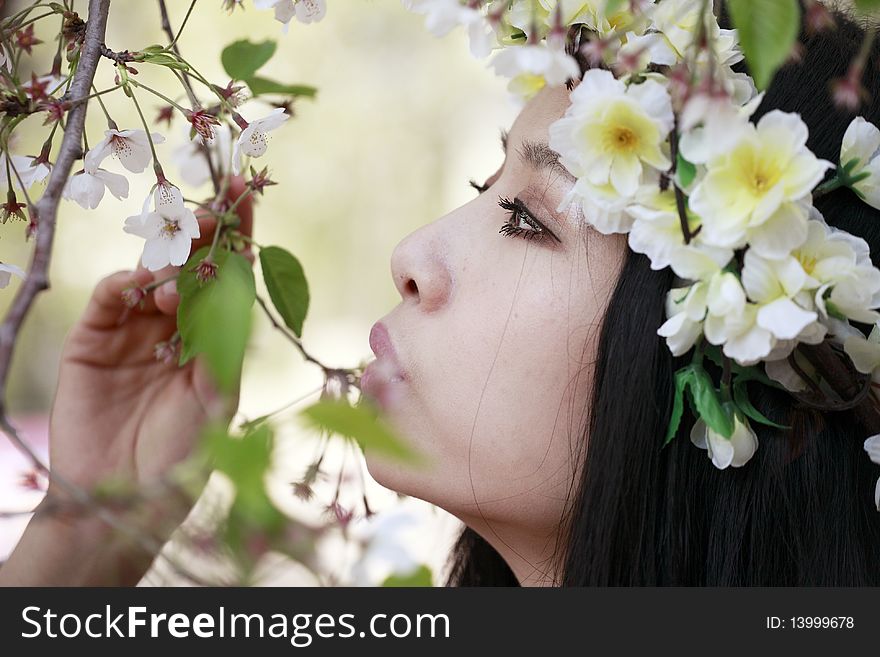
[[241, 59], [214, 318], [693, 382], [767, 31], [686, 171], [287, 286], [741, 397]]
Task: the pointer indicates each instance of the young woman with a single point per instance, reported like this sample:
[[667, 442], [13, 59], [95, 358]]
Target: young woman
[[527, 367]]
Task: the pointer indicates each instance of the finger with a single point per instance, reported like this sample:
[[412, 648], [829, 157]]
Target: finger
[[166, 297], [106, 305]]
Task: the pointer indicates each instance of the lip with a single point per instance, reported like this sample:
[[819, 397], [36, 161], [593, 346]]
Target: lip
[[382, 376]]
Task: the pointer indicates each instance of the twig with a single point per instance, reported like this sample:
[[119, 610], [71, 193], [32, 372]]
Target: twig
[[47, 207], [38, 279], [328, 371], [187, 85]]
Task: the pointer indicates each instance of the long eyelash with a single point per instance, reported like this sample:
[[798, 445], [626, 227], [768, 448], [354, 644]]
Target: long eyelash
[[480, 188], [510, 227]]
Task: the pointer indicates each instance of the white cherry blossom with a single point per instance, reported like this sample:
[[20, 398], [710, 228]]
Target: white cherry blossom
[[87, 188], [254, 140], [130, 147], [169, 231], [22, 170], [7, 271]]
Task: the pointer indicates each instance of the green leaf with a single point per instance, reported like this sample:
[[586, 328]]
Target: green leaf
[[767, 31], [246, 461], [687, 171], [164, 59], [708, 405], [214, 318], [360, 423], [421, 576], [682, 380], [287, 286], [741, 397], [242, 58], [867, 6], [154, 48], [260, 86], [611, 6]]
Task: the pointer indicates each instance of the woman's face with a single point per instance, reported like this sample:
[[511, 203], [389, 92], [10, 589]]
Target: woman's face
[[495, 338]]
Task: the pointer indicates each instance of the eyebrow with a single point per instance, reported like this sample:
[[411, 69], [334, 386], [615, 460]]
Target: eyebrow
[[538, 155]]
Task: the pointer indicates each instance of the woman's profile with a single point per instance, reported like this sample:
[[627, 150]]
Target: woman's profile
[[523, 360]]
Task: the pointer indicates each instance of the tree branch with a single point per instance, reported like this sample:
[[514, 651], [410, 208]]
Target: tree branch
[[47, 207]]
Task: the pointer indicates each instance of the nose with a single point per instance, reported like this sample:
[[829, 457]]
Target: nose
[[420, 269]]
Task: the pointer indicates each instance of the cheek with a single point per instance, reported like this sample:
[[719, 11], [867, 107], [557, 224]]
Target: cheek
[[504, 395]]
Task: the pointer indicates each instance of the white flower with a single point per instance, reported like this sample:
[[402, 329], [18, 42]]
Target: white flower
[[24, 167], [131, 147], [190, 156], [686, 309], [305, 11], [657, 233], [87, 188], [757, 192], [442, 16], [167, 195], [733, 322], [734, 451], [532, 66], [169, 231], [872, 446], [610, 131], [674, 28], [384, 537], [6, 272], [862, 143], [5, 59], [840, 270], [253, 140], [774, 285], [310, 11], [865, 354], [712, 126]]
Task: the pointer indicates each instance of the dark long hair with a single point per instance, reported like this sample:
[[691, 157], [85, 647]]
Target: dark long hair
[[800, 513]]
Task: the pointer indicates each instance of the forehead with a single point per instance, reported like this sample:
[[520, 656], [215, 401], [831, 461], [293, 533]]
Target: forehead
[[534, 120]]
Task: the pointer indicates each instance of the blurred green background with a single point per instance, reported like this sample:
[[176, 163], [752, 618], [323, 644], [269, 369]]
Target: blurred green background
[[400, 123]]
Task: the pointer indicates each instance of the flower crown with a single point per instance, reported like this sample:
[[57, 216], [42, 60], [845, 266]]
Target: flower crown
[[659, 138]]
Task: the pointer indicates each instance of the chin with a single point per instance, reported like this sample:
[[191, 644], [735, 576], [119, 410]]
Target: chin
[[399, 476]]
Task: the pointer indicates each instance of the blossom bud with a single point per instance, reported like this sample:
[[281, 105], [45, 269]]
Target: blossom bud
[[133, 296], [206, 271]]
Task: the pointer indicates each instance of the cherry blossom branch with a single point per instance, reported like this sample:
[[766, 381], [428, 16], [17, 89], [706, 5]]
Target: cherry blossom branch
[[47, 207], [187, 85], [38, 280]]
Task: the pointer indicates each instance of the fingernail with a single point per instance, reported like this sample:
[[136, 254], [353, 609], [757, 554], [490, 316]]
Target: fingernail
[[170, 287]]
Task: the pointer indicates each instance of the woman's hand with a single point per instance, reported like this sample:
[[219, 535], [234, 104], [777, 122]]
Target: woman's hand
[[119, 412]]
